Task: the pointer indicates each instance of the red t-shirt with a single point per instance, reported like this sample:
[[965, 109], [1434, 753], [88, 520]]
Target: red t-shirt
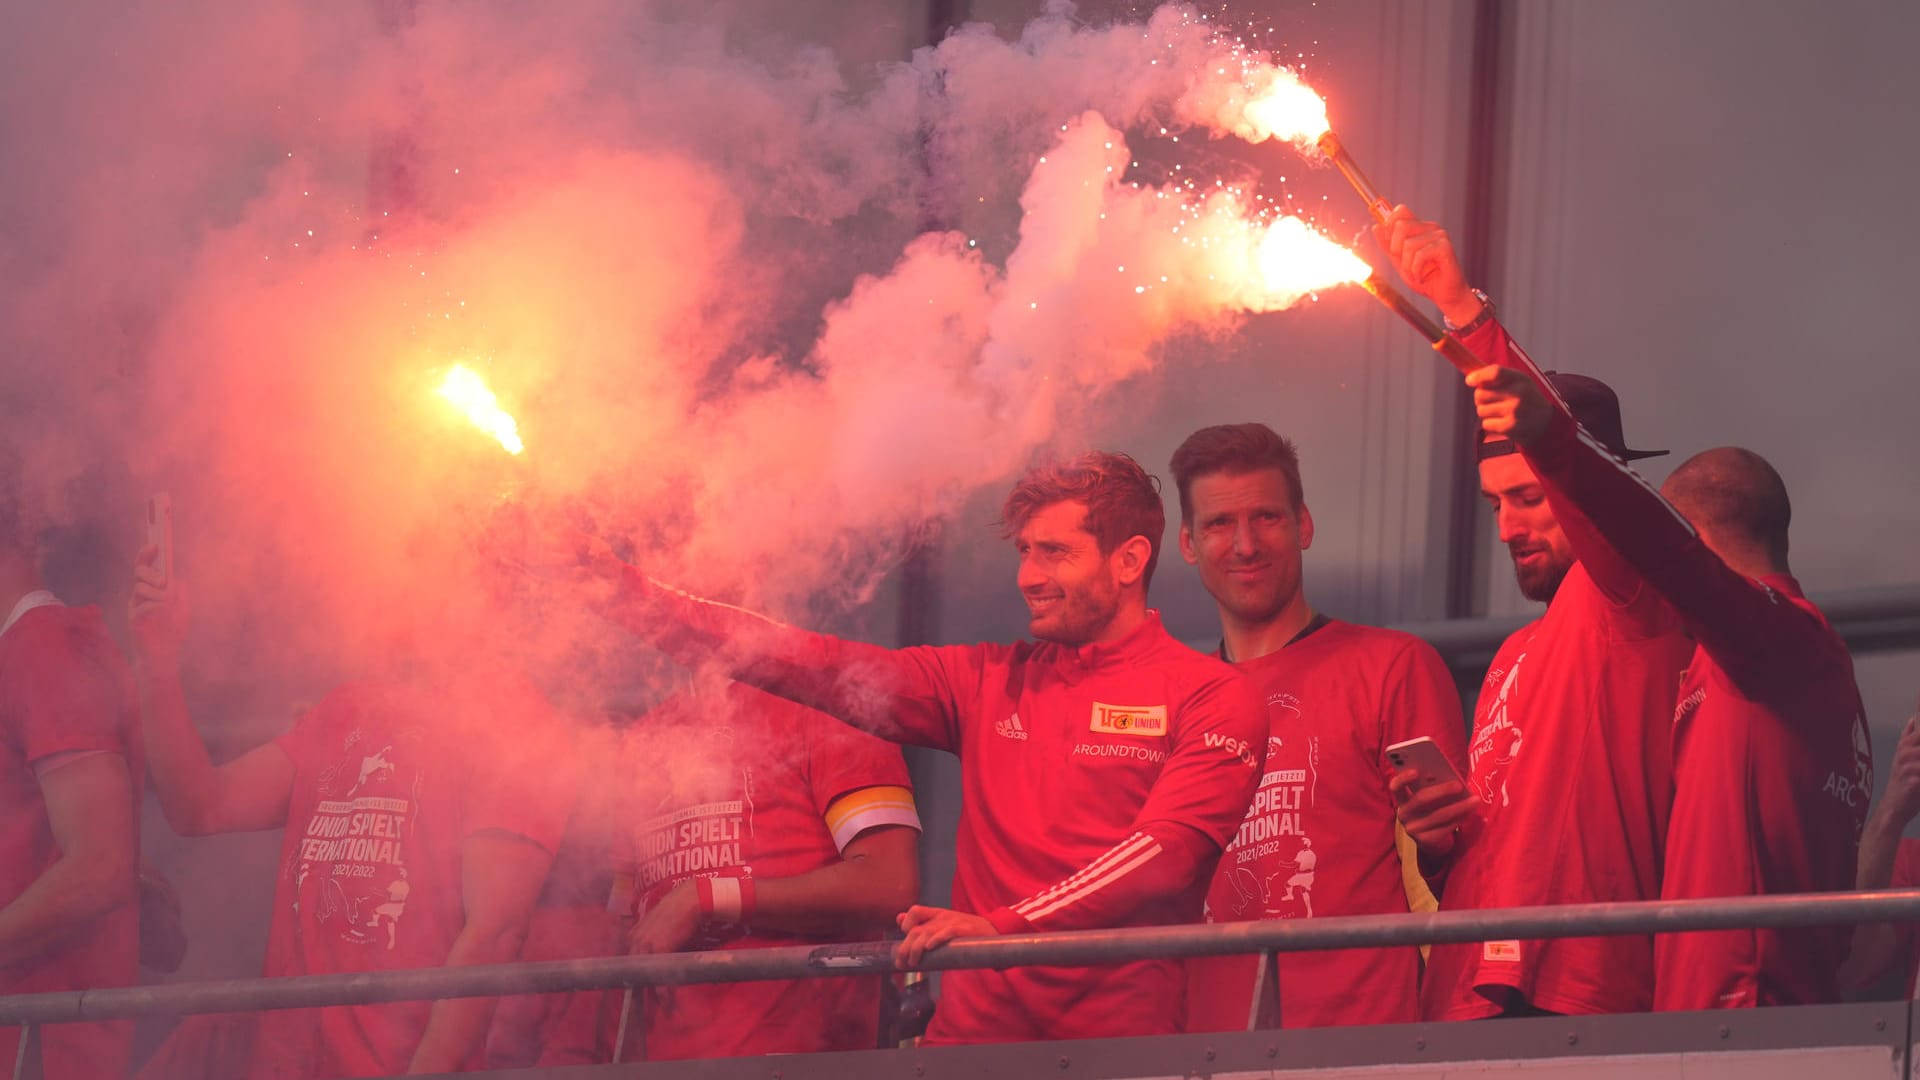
[[1098, 785], [1773, 765], [769, 790], [65, 688], [389, 782], [1319, 836]]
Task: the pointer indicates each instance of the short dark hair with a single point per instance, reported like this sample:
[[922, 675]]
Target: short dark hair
[[1233, 448], [1122, 501], [1736, 493]]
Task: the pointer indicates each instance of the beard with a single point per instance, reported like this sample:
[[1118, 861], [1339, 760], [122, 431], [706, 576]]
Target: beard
[[1541, 580], [1078, 618]]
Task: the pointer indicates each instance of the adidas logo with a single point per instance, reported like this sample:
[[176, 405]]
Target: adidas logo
[[1011, 728]]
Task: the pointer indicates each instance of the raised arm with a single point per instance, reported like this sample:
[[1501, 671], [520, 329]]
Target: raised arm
[[903, 695], [1755, 634], [1423, 254], [197, 796]]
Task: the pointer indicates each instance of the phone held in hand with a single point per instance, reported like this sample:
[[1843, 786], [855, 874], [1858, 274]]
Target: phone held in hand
[[1425, 756]]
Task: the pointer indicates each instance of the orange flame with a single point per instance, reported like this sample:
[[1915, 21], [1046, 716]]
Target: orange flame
[[1288, 109], [469, 394], [1294, 260]]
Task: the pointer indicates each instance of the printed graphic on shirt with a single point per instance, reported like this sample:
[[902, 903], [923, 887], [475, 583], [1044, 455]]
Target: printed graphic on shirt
[[1496, 743], [1011, 728], [1119, 752], [1270, 864], [357, 839], [1142, 720], [1500, 952], [1235, 748], [707, 839], [1689, 704], [1855, 790]]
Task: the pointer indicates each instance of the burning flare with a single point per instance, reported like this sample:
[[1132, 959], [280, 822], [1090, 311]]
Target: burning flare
[[469, 393], [1294, 260], [1288, 109]]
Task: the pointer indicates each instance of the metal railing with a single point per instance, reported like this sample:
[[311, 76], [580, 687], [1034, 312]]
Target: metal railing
[[1073, 948]]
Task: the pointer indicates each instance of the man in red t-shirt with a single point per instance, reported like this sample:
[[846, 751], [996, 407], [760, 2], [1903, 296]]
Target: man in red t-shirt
[[1571, 757], [1319, 837], [1770, 738], [796, 829], [1103, 767], [731, 819], [1888, 861], [420, 822], [69, 803]]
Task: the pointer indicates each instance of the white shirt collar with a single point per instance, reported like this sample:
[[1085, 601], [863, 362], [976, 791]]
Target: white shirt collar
[[38, 598]]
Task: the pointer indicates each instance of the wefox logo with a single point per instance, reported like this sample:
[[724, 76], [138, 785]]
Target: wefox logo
[[1239, 748]]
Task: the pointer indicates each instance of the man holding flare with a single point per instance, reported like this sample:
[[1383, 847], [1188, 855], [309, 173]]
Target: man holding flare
[[1769, 735], [1570, 761]]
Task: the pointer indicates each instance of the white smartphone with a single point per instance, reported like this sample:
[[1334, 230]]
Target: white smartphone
[[160, 531], [1424, 755]]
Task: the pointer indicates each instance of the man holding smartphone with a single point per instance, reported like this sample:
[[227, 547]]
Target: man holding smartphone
[[1320, 834], [420, 816]]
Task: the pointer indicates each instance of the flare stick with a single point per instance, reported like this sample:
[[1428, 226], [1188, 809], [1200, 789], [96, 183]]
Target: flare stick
[[1336, 151], [1443, 343]]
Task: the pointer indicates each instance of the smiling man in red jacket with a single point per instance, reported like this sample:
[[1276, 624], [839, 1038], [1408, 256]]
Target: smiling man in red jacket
[[1103, 765]]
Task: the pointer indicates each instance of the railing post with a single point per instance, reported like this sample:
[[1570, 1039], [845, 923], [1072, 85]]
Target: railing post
[[20, 1056], [620, 1034], [1263, 1012]]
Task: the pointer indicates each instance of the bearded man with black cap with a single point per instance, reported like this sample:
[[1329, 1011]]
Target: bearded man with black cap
[[1773, 765], [1571, 760]]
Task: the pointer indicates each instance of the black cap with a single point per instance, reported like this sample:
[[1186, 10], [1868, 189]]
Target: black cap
[[1592, 403]]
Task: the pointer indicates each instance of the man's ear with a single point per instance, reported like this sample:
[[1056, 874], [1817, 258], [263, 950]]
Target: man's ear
[[1129, 560], [1187, 550], [1306, 527]]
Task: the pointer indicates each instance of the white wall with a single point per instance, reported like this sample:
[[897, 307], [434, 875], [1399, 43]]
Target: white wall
[[1706, 205]]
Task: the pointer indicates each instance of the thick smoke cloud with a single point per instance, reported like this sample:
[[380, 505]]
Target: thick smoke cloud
[[244, 244], [764, 318]]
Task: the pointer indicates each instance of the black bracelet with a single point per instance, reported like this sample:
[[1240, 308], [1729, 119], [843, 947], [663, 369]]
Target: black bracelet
[[1475, 323]]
